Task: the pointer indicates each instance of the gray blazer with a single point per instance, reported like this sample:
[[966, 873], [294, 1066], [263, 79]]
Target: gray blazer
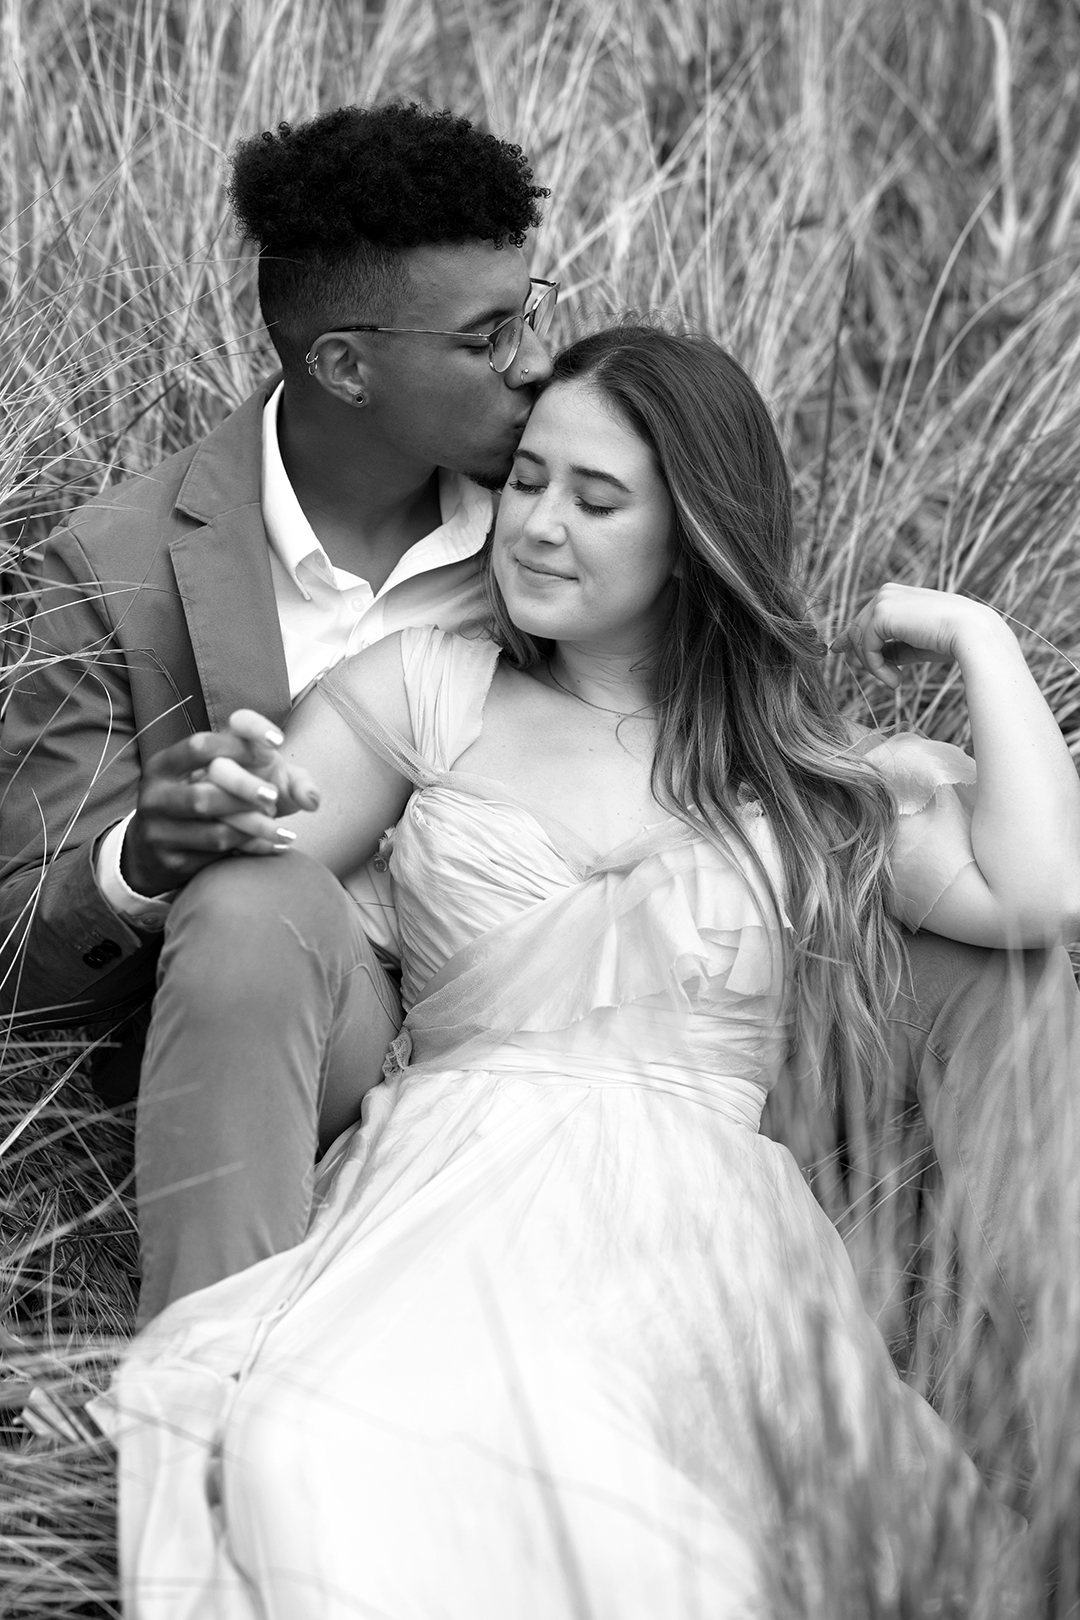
[[156, 618]]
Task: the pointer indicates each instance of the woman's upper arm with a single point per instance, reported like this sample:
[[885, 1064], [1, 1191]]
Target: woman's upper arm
[[937, 882], [361, 794]]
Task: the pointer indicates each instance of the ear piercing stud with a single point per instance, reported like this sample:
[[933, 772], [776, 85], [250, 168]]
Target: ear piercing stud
[[356, 397], [524, 372]]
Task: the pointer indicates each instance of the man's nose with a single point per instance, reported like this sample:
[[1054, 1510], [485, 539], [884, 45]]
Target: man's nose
[[532, 363]]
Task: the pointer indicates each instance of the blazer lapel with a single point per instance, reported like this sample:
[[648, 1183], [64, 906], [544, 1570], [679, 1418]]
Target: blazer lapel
[[223, 573]]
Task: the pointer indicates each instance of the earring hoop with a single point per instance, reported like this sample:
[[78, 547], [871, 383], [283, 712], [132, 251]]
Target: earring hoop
[[312, 361]]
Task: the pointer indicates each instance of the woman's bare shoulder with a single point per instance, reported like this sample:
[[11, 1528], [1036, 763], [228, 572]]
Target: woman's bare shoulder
[[374, 680]]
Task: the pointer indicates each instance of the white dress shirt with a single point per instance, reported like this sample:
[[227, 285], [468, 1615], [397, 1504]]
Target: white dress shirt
[[325, 614]]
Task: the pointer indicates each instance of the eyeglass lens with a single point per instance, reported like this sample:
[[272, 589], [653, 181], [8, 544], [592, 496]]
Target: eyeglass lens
[[506, 339]]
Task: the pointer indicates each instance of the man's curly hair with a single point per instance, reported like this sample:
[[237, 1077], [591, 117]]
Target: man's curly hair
[[335, 203]]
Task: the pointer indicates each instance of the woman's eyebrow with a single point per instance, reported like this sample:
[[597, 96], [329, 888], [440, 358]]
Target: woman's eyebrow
[[595, 474]]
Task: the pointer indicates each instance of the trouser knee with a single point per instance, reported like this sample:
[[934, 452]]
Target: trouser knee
[[954, 992], [239, 923]]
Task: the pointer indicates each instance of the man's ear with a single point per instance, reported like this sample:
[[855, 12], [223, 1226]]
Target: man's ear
[[339, 363]]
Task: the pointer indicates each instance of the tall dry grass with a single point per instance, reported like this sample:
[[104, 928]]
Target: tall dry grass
[[875, 206]]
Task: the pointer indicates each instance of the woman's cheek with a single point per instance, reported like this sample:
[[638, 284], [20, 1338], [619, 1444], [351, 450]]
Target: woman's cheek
[[500, 566]]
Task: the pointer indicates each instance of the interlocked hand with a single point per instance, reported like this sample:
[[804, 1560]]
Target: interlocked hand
[[214, 794]]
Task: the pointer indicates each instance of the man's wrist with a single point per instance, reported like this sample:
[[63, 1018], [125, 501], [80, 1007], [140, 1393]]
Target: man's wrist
[[142, 910]]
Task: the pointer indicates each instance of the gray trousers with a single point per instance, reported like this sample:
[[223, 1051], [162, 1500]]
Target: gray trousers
[[272, 1017]]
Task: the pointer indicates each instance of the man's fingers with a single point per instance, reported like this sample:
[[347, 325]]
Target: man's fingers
[[196, 801], [168, 838], [220, 833], [195, 753]]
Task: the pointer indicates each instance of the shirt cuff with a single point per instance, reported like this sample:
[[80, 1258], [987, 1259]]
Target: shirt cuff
[[144, 911]]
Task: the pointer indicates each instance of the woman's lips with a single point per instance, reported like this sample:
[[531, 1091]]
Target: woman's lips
[[544, 573]]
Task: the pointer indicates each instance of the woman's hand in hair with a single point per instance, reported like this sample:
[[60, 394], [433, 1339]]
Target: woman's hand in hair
[[908, 624]]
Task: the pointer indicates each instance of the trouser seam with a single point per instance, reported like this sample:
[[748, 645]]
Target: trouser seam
[[920, 1029]]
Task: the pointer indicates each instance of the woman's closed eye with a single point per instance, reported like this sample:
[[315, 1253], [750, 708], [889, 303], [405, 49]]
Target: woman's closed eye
[[522, 488]]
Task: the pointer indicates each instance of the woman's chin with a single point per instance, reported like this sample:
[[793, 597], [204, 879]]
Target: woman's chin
[[543, 626], [529, 625]]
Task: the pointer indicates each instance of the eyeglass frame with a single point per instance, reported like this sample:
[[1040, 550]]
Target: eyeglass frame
[[526, 316]]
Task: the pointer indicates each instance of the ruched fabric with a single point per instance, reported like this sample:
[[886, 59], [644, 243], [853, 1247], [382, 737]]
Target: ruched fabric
[[934, 787], [560, 1303]]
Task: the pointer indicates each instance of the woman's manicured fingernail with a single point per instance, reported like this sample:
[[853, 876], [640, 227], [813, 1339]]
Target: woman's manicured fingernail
[[284, 835], [268, 793], [273, 736]]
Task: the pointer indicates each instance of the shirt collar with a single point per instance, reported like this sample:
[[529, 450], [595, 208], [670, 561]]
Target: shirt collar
[[466, 517]]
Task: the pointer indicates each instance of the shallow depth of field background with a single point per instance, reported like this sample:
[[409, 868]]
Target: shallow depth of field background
[[876, 205]]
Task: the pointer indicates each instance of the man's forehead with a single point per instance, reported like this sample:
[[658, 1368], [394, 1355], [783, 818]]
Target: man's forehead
[[458, 284]]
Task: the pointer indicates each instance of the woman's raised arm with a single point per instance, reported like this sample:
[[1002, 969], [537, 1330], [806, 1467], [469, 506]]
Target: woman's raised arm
[[1024, 888]]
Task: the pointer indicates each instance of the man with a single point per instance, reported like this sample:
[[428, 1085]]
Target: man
[[329, 511]]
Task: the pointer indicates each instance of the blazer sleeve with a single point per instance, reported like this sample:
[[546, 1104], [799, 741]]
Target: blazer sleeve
[[69, 769]]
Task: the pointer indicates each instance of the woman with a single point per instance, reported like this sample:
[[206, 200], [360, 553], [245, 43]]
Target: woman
[[567, 1336]]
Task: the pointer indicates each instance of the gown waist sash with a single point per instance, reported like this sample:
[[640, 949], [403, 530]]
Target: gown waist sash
[[740, 1101]]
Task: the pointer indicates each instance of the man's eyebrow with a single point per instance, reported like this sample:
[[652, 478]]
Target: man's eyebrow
[[492, 316]]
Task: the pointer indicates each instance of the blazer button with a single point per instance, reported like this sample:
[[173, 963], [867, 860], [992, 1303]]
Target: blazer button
[[106, 950]]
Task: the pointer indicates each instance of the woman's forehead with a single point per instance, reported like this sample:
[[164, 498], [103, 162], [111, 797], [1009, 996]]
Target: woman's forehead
[[574, 418]]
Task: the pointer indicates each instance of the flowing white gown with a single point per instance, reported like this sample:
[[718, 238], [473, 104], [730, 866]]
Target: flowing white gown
[[567, 1336]]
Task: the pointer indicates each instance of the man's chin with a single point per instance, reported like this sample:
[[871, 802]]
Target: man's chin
[[489, 480]]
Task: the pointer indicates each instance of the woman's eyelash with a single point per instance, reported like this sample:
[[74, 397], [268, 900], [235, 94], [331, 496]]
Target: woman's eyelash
[[535, 489]]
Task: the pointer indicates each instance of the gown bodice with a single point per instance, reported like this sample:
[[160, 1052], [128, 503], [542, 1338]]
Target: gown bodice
[[663, 957]]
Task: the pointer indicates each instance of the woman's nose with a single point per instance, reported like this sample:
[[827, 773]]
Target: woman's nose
[[544, 519]]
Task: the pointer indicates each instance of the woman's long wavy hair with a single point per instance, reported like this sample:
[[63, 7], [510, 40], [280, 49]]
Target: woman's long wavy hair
[[743, 705]]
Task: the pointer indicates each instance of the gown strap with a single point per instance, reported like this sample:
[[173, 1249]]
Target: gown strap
[[384, 742]]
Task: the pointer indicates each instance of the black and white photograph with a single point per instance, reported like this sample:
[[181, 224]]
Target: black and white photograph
[[539, 810]]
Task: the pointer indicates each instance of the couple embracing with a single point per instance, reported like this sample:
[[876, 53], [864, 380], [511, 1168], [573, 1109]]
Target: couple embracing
[[468, 1280]]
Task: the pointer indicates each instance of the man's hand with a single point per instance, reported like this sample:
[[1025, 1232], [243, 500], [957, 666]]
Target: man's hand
[[213, 794]]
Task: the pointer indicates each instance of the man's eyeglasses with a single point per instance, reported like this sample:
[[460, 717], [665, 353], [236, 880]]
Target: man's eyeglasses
[[505, 341]]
